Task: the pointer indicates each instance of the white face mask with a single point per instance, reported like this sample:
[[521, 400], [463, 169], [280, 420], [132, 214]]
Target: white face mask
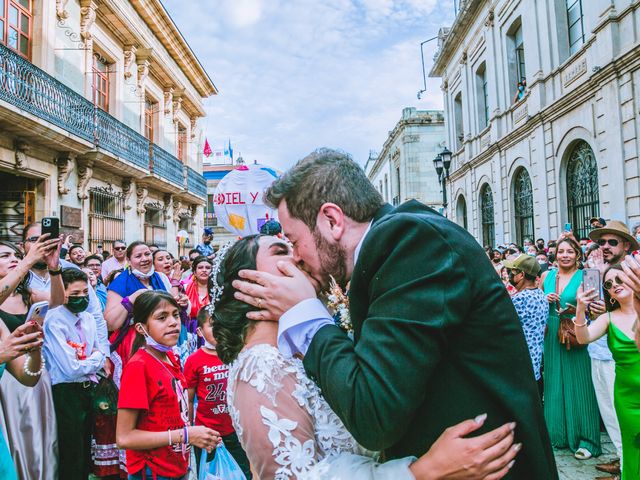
[[209, 345], [138, 274]]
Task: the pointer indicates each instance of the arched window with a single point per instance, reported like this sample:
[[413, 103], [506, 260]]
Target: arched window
[[461, 212], [523, 205], [583, 200], [487, 216]]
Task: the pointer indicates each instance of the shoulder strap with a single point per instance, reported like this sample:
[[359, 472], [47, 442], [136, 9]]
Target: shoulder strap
[[557, 290]]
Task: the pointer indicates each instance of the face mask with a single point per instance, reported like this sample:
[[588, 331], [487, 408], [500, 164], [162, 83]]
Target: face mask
[[155, 345], [77, 304], [552, 258], [638, 238], [542, 262], [138, 274], [209, 345], [584, 249], [40, 266]]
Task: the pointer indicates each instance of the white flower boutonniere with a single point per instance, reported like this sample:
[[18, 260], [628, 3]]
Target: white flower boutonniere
[[338, 304]]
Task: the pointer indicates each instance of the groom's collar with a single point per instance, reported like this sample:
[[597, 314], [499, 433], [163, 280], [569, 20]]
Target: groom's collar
[[382, 211]]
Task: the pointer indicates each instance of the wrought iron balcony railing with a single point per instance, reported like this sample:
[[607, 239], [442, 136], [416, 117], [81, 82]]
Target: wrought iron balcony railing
[[121, 140], [196, 183], [166, 166], [25, 86]]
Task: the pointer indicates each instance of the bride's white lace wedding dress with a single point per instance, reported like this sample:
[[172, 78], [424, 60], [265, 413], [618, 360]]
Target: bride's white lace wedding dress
[[287, 428]]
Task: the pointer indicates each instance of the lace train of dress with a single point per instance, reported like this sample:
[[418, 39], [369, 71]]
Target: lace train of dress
[[287, 428]]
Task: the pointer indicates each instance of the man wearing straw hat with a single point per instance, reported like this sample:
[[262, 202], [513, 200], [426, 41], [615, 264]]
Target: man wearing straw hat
[[615, 241]]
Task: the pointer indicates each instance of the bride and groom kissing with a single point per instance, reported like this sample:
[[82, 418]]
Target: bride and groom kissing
[[437, 377]]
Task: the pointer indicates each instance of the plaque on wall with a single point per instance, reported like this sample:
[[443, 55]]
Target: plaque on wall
[[70, 217]]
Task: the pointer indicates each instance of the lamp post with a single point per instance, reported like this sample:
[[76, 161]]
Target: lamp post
[[442, 162]]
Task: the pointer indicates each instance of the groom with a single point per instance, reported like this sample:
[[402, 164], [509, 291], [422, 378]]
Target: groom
[[436, 338]]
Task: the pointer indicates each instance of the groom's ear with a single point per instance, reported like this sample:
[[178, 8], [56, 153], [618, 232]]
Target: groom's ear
[[331, 221]]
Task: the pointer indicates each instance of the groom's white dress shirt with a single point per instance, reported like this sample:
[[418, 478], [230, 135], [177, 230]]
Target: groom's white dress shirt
[[300, 323]]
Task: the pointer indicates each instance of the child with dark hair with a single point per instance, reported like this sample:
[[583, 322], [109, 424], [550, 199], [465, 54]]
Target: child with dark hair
[[207, 381], [153, 413], [74, 355]]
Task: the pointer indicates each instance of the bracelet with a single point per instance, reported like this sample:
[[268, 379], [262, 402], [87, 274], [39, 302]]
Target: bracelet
[[126, 303], [175, 282], [29, 372], [579, 324], [186, 436], [55, 272], [169, 432]]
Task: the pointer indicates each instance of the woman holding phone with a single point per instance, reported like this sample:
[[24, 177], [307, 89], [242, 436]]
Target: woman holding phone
[[619, 324], [28, 412], [570, 405]]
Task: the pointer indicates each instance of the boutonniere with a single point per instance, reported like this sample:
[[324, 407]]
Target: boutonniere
[[80, 349], [338, 304]]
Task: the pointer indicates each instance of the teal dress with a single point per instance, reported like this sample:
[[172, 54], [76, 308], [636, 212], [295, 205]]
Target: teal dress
[[7, 471], [570, 405]]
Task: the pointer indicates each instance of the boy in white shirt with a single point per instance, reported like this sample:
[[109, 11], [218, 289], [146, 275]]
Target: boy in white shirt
[[74, 355]]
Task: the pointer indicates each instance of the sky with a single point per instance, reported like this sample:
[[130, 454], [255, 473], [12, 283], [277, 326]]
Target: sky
[[296, 75]]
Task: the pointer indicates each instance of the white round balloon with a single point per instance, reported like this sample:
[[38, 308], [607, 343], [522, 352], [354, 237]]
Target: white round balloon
[[238, 200]]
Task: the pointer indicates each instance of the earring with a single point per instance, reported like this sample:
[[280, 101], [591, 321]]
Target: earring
[[612, 301]]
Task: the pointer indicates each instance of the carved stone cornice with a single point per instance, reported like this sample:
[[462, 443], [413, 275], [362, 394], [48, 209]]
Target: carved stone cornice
[[463, 59], [177, 106], [65, 165], [177, 210], [129, 57], [490, 18], [61, 9], [168, 100], [85, 172], [21, 149], [168, 202], [141, 193], [87, 18], [127, 191], [143, 60]]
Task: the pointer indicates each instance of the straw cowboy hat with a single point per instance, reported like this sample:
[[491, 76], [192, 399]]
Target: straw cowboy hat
[[615, 227]]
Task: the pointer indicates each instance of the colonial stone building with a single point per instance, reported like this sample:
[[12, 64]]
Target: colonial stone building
[[564, 147], [403, 169], [99, 109]]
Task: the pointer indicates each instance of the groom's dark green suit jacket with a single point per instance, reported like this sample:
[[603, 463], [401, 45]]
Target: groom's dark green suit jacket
[[436, 341]]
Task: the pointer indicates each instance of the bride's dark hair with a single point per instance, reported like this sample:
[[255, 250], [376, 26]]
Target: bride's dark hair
[[230, 322]]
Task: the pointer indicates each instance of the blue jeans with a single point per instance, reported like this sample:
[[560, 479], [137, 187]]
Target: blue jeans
[[147, 474]]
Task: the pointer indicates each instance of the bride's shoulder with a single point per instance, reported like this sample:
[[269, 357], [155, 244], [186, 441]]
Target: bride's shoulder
[[263, 367]]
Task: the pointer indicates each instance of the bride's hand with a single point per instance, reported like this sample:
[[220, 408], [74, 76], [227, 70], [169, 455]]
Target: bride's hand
[[272, 294], [452, 457]]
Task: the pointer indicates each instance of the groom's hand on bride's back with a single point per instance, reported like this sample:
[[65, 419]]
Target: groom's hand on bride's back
[[273, 294], [453, 457]]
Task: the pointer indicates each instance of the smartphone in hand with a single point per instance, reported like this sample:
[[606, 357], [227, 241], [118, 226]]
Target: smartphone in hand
[[591, 281], [38, 311], [51, 225]]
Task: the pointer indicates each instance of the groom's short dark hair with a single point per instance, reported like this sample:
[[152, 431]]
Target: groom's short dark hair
[[325, 175]]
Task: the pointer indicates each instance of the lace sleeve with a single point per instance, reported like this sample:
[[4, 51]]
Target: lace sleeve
[[276, 431]]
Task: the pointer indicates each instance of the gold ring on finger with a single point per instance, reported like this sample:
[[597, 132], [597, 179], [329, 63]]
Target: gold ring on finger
[[260, 303]]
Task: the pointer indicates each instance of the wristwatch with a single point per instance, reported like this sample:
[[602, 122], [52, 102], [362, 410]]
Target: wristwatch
[[55, 272]]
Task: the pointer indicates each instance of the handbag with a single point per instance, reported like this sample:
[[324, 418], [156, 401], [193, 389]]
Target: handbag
[[222, 467], [566, 328]]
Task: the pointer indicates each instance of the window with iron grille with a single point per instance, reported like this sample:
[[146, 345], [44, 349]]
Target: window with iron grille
[[106, 218], [15, 25], [487, 216], [182, 144], [482, 96], [583, 198], [523, 205], [155, 225], [100, 85], [150, 112], [210, 219]]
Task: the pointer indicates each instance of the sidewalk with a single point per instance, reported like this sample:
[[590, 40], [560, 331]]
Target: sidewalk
[[572, 469]]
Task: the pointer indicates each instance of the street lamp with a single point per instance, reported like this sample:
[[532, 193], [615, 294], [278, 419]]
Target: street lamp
[[442, 162]]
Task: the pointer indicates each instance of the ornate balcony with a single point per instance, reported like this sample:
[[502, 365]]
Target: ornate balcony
[[196, 183], [166, 166], [117, 138]]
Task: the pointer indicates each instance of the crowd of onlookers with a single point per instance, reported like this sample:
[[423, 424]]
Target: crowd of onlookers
[[72, 324], [579, 306]]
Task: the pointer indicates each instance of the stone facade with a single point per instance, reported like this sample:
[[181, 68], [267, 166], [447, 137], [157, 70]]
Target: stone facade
[[99, 124], [573, 134], [403, 169]]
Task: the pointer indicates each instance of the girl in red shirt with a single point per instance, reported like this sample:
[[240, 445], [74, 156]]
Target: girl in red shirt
[[153, 410]]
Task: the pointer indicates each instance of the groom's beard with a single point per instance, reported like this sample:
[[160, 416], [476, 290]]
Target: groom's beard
[[333, 261]]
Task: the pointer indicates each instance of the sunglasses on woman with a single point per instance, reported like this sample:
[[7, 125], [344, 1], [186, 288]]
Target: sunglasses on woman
[[608, 285], [611, 241]]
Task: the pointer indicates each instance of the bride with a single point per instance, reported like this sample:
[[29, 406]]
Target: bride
[[284, 424]]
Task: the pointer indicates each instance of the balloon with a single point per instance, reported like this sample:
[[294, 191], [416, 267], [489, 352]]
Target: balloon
[[238, 201]]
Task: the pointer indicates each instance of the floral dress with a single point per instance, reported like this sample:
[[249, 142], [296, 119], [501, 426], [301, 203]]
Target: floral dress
[[287, 428]]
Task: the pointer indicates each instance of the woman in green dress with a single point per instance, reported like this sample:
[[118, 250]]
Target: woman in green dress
[[16, 349], [570, 405], [618, 322]]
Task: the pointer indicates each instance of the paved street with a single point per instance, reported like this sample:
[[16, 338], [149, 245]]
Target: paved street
[[572, 469]]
